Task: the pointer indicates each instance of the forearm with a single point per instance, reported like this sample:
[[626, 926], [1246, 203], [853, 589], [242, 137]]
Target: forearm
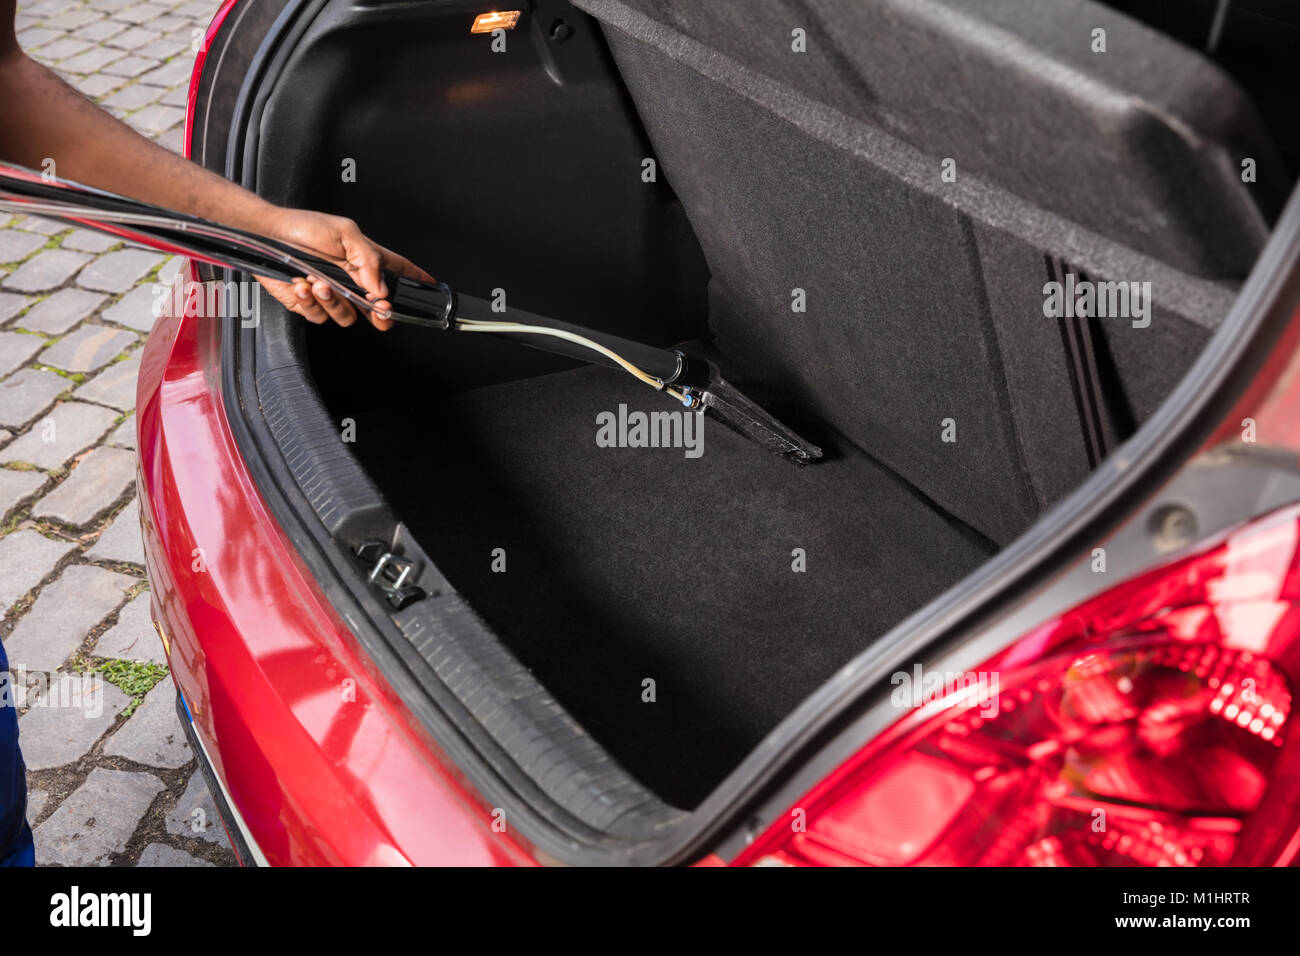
[[45, 119], [42, 119]]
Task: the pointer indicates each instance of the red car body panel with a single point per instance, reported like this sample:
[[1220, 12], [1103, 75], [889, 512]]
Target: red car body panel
[[322, 761], [318, 756]]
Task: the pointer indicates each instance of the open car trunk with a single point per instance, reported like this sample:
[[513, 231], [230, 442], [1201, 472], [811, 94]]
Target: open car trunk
[[860, 232], [618, 566]]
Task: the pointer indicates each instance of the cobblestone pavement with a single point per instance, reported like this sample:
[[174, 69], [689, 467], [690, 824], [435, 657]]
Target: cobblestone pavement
[[112, 781]]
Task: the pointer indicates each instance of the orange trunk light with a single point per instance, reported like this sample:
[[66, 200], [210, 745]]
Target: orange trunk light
[[496, 20]]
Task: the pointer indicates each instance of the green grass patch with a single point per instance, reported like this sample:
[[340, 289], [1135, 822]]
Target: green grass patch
[[133, 678], [77, 377]]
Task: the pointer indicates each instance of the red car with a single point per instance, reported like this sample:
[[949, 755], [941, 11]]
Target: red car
[[1027, 272]]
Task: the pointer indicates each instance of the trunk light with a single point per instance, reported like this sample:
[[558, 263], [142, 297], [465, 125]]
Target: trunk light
[[1146, 727], [496, 20]]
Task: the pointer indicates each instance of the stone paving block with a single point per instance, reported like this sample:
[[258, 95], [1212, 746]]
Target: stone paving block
[[89, 240], [114, 386], [169, 23], [176, 96], [11, 304], [118, 271], [15, 245], [204, 824], [197, 9], [62, 726], [36, 800], [124, 435], [14, 487], [133, 637], [92, 61], [140, 13], [40, 10], [61, 49], [93, 825], [164, 47], [172, 140], [87, 348], [54, 439], [26, 557], [157, 118], [34, 37], [121, 542], [5, 435], [99, 479], [131, 66], [131, 98], [171, 73], [72, 19], [109, 6], [97, 84], [186, 32], [61, 311], [138, 309], [99, 31], [45, 270], [133, 37], [46, 227], [16, 350], [170, 268], [93, 487], [159, 854], [153, 735], [200, 9], [43, 8], [63, 614], [26, 393]]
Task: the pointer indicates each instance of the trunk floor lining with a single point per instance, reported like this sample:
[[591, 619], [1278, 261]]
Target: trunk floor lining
[[630, 563]]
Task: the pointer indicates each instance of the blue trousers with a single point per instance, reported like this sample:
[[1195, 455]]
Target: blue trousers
[[15, 835]]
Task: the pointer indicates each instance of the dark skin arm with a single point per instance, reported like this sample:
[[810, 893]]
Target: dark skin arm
[[43, 118]]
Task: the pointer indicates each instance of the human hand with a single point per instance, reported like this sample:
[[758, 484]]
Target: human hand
[[341, 241]]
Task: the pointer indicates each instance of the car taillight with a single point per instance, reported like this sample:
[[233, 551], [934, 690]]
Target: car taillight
[[1147, 727]]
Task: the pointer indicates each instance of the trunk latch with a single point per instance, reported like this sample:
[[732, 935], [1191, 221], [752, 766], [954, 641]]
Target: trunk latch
[[391, 574]]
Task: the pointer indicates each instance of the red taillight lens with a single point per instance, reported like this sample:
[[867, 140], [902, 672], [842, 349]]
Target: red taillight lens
[[1146, 727]]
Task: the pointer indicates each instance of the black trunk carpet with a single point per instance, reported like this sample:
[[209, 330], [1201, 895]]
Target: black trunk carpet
[[630, 565]]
